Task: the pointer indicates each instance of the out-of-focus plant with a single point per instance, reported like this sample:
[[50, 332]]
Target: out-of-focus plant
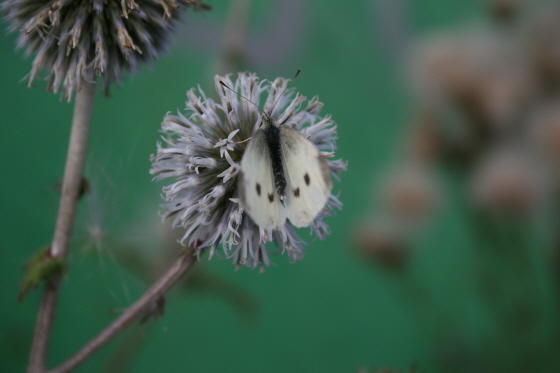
[[483, 146]]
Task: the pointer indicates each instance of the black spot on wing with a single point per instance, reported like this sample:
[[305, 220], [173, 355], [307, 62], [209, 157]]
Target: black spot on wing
[[271, 197], [306, 179], [258, 189], [296, 192]]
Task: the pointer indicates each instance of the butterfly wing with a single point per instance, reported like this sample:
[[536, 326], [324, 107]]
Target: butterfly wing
[[308, 177], [258, 195]]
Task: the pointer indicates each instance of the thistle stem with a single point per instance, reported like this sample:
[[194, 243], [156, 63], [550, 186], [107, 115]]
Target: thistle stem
[[173, 274], [72, 182], [71, 185]]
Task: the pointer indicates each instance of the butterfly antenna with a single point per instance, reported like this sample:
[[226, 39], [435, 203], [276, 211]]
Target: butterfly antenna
[[237, 93], [287, 86]]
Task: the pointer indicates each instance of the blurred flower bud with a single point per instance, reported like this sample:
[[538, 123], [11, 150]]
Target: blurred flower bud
[[382, 242], [411, 195], [545, 44], [424, 141], [503, 10], [509, 182], [482, 71], [544, 128], [440, 70]]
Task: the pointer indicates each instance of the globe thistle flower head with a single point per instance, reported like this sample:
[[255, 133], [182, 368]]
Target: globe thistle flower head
[[202, 150], [84, 39]]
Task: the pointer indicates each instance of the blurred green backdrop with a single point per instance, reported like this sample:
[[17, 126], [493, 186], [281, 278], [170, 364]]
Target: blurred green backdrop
[[330, 312]]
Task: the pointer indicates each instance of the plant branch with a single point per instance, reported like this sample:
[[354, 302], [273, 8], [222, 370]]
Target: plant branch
[[173, 274], [71, 185], [72, 182]]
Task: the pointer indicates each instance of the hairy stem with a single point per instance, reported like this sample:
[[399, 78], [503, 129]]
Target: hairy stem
[[71, 185], [173, 274]]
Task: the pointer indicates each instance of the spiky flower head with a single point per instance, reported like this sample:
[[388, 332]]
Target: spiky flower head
[[84, 39], [202, 150]]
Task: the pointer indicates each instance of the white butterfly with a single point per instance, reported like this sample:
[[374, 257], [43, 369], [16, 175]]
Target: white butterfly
[[283, 175]]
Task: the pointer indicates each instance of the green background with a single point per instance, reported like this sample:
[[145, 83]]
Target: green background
[[330, 312]]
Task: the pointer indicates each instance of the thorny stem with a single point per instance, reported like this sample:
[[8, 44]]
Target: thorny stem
[[173, 274], [71, 185]]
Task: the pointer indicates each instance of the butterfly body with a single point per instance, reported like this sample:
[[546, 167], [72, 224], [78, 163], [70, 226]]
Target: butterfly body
[[283, 176], [271, 133]]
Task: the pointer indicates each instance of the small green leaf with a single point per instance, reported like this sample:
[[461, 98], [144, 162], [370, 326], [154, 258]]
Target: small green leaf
[[41, 267]]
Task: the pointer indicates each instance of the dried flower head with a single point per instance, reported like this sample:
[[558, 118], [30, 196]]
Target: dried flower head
[[202, 150], [383, 241], [544, 131], [411, 194], [482, 71], [424, 141], [544, 46], [504, 10], [510, 181], [83, 39]]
